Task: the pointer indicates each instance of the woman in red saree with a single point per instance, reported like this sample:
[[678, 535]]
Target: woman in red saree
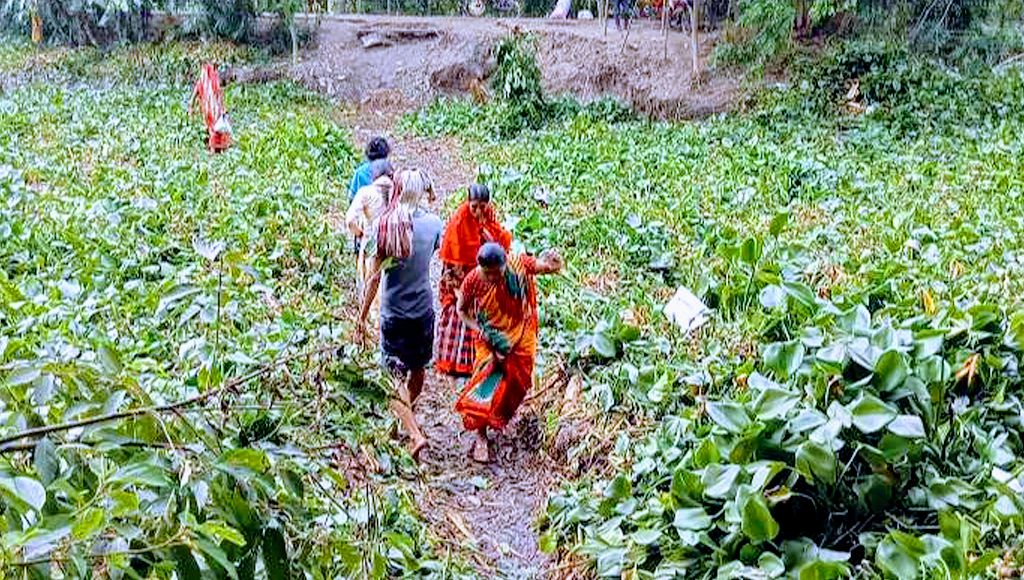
[[211, 103], [499, 301], [473, 225]]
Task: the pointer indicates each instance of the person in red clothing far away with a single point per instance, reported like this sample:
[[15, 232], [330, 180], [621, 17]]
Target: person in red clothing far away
[[207, 91]]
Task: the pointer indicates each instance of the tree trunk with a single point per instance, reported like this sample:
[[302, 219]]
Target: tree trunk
[[802, 25], [295, 41], [664, 25], [695, 36]]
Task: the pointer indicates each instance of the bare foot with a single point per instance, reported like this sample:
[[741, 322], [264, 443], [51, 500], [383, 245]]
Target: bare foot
[[417, 448], [481, 451]]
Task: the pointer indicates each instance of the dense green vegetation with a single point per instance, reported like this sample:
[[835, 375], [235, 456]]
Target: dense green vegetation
[[852, 407], [854, 404], [138, 271]]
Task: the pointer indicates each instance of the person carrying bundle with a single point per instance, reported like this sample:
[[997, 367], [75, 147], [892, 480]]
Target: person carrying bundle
[[208, 93], [403, 241], [362, 214]]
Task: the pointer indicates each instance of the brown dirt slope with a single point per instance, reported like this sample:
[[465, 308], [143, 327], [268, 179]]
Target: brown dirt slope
[[414, 59]]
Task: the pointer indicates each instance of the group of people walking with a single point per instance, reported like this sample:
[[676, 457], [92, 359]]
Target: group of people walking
[[486, 330]]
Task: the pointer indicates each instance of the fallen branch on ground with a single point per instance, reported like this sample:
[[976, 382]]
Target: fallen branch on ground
[[172, 407]]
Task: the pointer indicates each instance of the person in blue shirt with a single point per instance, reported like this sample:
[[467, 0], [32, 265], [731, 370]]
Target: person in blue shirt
[[377, 148]]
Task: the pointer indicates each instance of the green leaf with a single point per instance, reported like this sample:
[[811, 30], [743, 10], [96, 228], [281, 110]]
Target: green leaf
[[604, 346], [778, 223], [686, 484], [928, 343], [816, 462], [909, 426], [875, 492], [691, 519], [23, 490], [933, 369], [142, 473], [215, 556], [771, 564], [802, 293], [175, 295], [706, 454], [898, 559], [125, 503], [275, 555], [23, 376], [869, 414], [750, 250], [45, 460], [806, 420], [185, 563], [720, 480], [219, 531], [620, 488], [609, 562], [110, 360], [784, 358], [772, 297], [832, 356], [728, 415], [758, 523], [243, 462], [890, 370], [647, 537], [1015, 332], [823, 570], [87, 523], [775, 403], [547, 543], [659, 389], [893, 448]]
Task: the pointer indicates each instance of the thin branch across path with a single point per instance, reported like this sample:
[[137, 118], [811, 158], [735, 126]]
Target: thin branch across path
[[15, 442]]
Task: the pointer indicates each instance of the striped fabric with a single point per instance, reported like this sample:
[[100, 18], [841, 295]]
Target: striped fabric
[[208, 93]]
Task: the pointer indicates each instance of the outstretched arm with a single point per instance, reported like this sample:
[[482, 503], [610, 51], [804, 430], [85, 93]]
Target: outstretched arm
[[549, 262]]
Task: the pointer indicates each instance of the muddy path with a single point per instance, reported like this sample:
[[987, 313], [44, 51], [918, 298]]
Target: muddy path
[[418, 58], [484, 513]]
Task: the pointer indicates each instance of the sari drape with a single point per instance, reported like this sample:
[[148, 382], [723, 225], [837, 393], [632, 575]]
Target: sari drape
[[507, 314], [207, 91], [456, 343]]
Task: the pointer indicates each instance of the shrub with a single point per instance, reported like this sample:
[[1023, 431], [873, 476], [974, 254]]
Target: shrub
[[517, 85], [87, 22], [760, 35]]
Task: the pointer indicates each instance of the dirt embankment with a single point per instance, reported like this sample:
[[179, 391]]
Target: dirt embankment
[[411, 60]]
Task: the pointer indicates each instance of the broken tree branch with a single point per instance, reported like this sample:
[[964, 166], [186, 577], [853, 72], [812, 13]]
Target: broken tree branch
[[37, 432]]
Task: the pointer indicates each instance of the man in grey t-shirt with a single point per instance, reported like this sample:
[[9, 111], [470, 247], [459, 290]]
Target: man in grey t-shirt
[[407, 305]]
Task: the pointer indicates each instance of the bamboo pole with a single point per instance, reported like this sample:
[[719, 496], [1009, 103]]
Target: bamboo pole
[[694, 38], [664, 24]]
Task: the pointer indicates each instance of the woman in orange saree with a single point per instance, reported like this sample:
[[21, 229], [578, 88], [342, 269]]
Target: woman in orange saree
[[499, 301], [473, 225], [207, 91]]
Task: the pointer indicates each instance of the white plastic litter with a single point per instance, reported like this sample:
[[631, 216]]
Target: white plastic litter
[[223, 124], [686, 310]]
